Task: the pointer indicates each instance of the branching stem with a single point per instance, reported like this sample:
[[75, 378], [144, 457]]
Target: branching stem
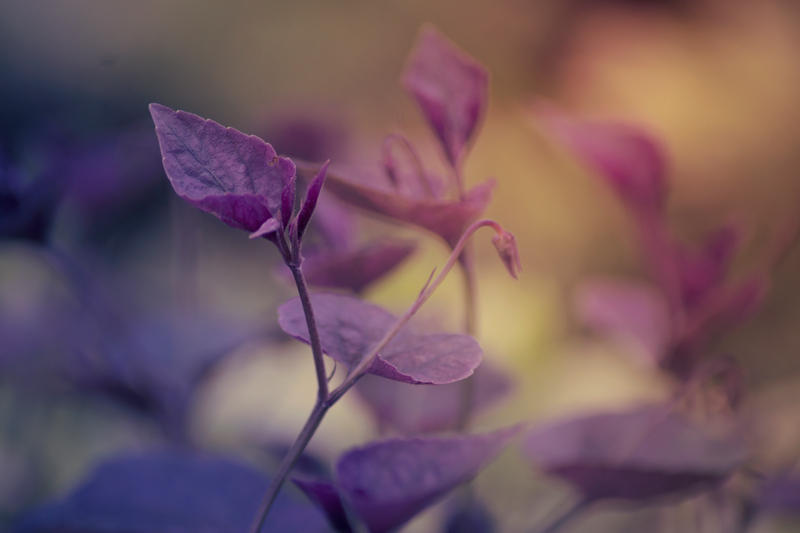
[[326, 401]]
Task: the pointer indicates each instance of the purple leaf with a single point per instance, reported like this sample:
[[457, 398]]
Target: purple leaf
[[470, 515], [287, 201], [628, 158], [447, 219], [636, 455], [781, 494], [236, 177], [411, 409], [325, 496], [355, 269], [310, 202], [389, 482], [703, 270], [350, 328], [170, 492], [451, 89], [631, 312]]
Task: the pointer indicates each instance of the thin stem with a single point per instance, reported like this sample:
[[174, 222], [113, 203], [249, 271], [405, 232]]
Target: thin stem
[[366, 361], [467, 386], [310, 427], [567, 516], [467, 262], [313, 333]]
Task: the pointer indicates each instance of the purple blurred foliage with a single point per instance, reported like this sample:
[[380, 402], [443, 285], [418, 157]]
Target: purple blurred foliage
[[694, 280], [325, 496], [349, 328], [356, 269], [170, 491], [446, 218], [451, 89], [412, 409], [150, 360], [305, 136], [238, 178], [29, 195], [629, 159], [111, 172], [635, 313], [469, 515], [781, 495], [386, 483], [637, 455]]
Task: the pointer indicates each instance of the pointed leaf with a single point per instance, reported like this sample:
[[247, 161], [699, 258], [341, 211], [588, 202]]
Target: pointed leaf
[[447, 219], [310, 202], [635, 455], [237, 177], [170, 492], [389, 482], [356, 269], [451, 89], [350, 328], [413, 409]]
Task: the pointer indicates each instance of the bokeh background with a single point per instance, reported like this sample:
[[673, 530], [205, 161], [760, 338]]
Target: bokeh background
[[715, 79]]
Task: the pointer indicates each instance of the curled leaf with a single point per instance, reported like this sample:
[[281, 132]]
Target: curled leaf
[[350, 328], [451, 89]]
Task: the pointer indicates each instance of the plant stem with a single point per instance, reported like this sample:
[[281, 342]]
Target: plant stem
[[467, 262], [567, 516], [299, 445], [313, 333], [330, 398], [470, 327]]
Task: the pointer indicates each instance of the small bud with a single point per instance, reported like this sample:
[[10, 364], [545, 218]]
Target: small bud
[[506, 246]]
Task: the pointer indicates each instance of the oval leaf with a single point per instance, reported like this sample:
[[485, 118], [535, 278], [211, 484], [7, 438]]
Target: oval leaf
[[635, 455], [237, 177], [389, 482], [171, 492], [349, 329]]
